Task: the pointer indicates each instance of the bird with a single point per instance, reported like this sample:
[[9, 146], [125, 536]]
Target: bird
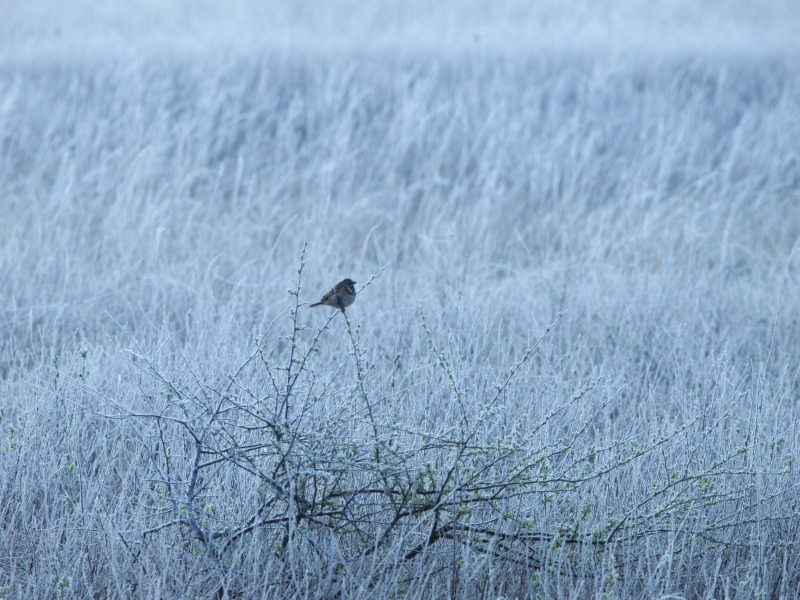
[[341, 296]]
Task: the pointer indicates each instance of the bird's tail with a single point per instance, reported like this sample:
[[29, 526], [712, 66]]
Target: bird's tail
[[315, 304]]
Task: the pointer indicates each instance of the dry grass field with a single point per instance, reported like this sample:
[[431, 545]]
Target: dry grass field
[[573, 367]]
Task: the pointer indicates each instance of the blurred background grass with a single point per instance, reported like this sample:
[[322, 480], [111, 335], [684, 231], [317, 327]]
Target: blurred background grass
[[634, 165], [53, 29]]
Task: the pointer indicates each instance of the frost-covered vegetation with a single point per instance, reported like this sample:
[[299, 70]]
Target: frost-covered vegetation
[[573, 368]]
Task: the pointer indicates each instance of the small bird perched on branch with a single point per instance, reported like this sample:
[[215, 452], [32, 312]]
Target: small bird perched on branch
[[341, 296]]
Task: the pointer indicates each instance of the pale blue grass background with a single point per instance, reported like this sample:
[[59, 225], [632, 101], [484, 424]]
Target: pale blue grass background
[[634, 166]]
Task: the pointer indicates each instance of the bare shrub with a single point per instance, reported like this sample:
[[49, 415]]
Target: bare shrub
[[295, 474]]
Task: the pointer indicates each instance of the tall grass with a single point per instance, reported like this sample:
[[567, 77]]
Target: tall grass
[[154, 212]]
